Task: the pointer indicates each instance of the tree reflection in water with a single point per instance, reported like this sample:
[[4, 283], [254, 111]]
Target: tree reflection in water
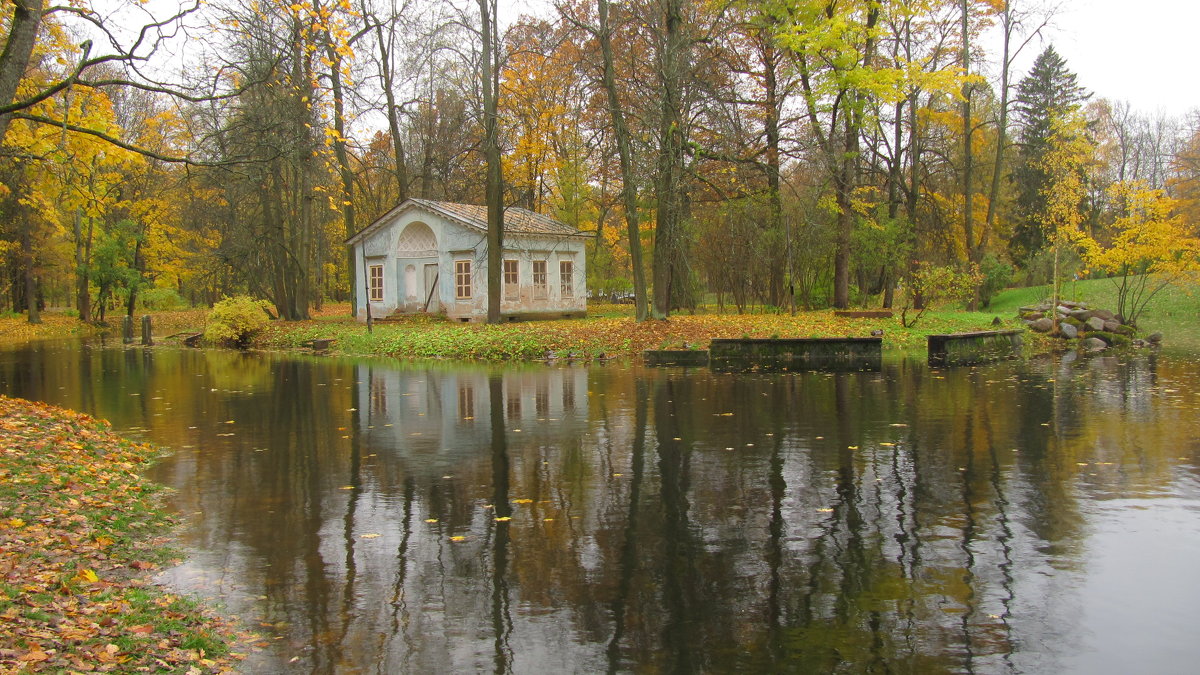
[[406, 517]]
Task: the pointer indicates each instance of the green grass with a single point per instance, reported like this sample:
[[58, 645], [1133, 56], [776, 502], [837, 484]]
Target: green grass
[[1175, 311]]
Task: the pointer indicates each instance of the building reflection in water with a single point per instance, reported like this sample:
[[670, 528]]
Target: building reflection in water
[[385, 517]]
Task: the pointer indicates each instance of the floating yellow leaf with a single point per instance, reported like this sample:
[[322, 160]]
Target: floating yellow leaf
[[346, 487], [825, 510], [458, 538], [431, 520], [503, 519], [888, 445], [370, 535], [522, 501]]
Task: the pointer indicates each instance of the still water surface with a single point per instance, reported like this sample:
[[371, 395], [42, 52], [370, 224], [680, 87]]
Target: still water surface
[[379, 516]]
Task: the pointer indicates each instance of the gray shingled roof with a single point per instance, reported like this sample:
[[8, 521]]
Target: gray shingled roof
[[516, 220]]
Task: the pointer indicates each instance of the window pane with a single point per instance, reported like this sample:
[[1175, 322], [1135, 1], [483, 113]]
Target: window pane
[[566, 273], [540, 283], [462, 278], [512, 288], [376, 283]]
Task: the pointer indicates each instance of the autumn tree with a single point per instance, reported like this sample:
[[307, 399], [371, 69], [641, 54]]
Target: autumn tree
[[1064, 166], [1149, 249], [1046, 96]]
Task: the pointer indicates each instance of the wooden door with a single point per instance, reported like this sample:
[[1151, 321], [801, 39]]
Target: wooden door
[[432, 299]]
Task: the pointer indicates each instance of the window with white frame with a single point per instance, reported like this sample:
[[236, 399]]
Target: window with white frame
[[512, 285], [541, 285], [375, 284], [462, 279], [566, 275]]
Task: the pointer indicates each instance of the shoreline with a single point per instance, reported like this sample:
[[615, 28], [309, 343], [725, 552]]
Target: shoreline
[[82, 534]]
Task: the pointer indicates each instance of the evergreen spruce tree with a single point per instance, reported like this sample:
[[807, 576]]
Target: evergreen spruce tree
[[1048, 92]]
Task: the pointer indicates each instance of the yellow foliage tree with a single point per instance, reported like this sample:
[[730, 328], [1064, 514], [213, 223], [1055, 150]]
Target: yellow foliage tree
[[1151, 247], [1065, 166]]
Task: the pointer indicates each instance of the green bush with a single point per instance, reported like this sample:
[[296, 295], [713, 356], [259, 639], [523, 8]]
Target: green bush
[[997, 274], [161, 299], [234, 322]]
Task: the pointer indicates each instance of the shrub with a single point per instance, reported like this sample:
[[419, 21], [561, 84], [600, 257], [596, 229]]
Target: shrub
[[937, 284], [997, 274], [161, 299], [234, 322]]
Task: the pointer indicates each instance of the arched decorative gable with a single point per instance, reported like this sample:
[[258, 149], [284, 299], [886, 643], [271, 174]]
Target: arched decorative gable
[[416, 241]]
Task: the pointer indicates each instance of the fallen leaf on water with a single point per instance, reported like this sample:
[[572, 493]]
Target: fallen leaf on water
[[503, 519], [522, 501], [346, 487], [888, 445], [825, 510], [458, 538], [431, 520], [369, 535]]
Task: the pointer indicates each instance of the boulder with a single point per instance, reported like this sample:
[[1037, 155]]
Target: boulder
[[1112, 326], [1032, 315], [1068, 331], [1042, 325], [1095, 344], [1094, 324], [1081, 314], [1154, 338], [1104, 314]]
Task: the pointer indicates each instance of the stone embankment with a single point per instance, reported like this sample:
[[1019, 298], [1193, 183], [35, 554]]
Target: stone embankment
[[1096, 329]]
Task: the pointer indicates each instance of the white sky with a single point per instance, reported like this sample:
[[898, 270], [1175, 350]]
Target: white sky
[[1146, 52]]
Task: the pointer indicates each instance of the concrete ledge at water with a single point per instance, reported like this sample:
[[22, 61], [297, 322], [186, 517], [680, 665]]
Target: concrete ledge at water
[[864, 313], [845, 353], [970, 348], [675, 357]]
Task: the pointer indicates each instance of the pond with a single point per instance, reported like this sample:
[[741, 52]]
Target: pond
[[385, 517]]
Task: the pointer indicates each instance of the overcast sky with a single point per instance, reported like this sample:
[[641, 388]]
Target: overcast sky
[[1146, 52]]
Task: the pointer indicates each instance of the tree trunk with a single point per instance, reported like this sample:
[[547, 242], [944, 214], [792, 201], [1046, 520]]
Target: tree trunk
[[1002, 127], [83, 294], [668, 236], [495, 193], [31, 280], [343, 159], [780, 279], [628, 177], [18, 48]]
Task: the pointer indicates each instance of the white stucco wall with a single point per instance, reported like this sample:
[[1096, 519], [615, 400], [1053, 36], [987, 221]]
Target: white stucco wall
[[458, 242]]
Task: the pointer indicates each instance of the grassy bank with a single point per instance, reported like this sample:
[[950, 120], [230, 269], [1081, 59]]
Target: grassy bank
[[80, 534], [609, 331]]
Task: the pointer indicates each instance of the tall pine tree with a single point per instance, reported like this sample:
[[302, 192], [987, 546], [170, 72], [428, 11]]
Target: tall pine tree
[[1049, 92]]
